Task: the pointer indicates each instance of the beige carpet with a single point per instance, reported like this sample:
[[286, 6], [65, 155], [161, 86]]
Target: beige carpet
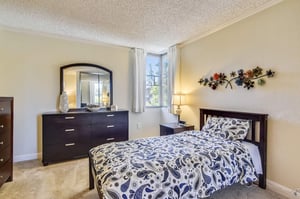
[[69, 180]]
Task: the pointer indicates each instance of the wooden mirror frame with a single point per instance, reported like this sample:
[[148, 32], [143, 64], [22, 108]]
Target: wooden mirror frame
[[62, 68]]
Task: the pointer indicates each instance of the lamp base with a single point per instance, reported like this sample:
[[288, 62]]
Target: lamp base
[[181, 122]]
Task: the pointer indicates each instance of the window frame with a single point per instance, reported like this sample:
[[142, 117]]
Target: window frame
[[161, 57]]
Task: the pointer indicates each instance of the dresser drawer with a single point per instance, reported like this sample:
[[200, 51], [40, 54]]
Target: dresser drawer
[[4, 155], [109, 133], [110, 118], [113, 137], [65, 133], [5, 108], [110, 130], [109, 138], [66, 119], [5, 137], [66, 151], [5, 124], [5, 172]]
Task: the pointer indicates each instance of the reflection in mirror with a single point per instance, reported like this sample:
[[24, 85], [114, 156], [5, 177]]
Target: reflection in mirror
[[87, 85]]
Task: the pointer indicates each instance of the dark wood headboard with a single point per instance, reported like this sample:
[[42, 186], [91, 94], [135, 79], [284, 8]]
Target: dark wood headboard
[[257, 134]]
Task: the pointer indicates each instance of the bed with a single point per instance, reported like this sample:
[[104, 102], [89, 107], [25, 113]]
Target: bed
[[191, 164]]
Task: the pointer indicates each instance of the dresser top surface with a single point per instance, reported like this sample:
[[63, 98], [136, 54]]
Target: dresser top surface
[[83, 111], [6, 98]]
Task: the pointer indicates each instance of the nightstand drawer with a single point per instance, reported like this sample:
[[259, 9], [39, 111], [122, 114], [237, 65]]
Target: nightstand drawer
[[172, 128], [166, 131]]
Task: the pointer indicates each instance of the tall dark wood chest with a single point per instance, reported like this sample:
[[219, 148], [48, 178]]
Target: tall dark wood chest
[[6, 139]]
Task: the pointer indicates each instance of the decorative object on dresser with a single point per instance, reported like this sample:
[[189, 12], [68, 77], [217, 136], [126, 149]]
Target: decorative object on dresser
[[6, 139], [70, 135], [63, 102], [172, 128]]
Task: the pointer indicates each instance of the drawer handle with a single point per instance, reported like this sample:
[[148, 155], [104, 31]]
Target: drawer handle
[[69, 130], [70, 144], [110, 115], [1, 160], [2, 142], [110, 126], [70, 118], [110, 139], [1, 109], [2, 126]]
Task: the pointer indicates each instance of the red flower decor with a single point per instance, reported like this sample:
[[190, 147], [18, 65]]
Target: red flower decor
[[246, 79], [216, 76], [249, 74]]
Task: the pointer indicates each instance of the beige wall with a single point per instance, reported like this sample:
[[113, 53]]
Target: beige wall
[[270, 39], [29, 71]]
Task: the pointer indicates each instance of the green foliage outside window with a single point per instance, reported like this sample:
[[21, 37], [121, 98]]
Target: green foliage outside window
[[156, 80]]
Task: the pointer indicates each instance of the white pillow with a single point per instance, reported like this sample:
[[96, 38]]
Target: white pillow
[[211, 124], [228, 128], [234, 129]]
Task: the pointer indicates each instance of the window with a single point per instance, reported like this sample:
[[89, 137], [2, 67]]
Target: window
[[157, 80]]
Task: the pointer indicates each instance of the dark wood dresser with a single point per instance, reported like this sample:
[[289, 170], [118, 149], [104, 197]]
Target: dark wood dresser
[[172, 128], [6, 139], [68, 136]]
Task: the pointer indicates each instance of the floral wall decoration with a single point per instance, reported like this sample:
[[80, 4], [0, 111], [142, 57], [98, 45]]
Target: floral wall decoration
[[240, 78]]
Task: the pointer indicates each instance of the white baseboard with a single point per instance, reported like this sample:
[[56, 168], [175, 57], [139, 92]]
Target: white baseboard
[[280, 189], [33, 156]]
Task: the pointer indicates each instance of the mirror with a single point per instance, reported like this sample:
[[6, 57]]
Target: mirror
[[86, 85]]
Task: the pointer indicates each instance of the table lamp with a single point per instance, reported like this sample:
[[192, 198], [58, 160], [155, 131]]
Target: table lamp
[[178, 100]]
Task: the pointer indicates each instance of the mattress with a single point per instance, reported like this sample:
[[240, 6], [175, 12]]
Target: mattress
[[191, 164]]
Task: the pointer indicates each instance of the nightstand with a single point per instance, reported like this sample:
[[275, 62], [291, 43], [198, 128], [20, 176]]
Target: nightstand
[[172, 128]]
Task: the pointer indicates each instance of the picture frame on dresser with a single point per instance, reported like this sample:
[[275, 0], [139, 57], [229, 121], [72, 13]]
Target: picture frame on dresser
[[6, 139]]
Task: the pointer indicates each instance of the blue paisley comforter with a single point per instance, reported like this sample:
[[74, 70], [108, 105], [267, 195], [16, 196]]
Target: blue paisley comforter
[[192, 164]]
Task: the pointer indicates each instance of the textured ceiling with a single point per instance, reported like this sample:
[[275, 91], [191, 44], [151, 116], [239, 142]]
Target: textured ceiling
[[151, 24]]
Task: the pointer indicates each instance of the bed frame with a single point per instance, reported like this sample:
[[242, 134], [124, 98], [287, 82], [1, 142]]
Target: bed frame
[[257, 134]]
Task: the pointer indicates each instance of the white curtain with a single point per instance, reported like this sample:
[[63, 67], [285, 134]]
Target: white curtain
[[138, 61], [174, 64]]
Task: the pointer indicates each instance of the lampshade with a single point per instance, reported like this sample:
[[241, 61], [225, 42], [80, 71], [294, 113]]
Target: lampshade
[[178, 99]]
